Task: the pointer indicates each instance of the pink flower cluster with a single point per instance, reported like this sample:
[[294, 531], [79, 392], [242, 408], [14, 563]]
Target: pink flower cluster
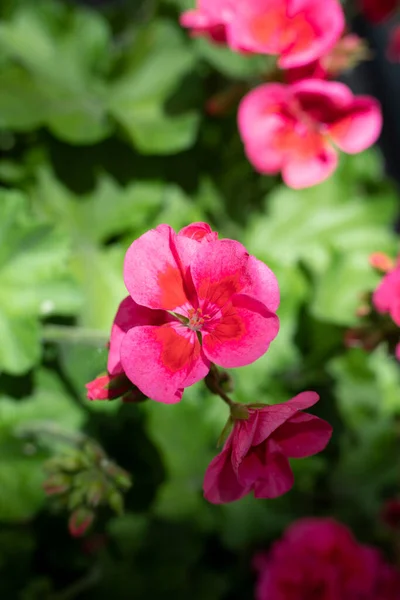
[[319, 559], [196, 301], [386, 297], [294, 128]]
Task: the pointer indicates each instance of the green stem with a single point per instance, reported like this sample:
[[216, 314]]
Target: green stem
[[216, 388]]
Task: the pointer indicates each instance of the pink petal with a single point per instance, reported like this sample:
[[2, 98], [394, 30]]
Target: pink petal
[[360, 128], [328, 25], [263, 285], [219, 271], [272, 417], [302, 435], [263, 157], [296, 30], [260, 112], [241, 438], [129, 314], [199, 231], [242, 334], [153, 269], [277, 476], [162, 360], [322, 94], [220, 482], [299, 173]]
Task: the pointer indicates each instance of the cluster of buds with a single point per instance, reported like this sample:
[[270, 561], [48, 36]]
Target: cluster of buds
[[81, 480]]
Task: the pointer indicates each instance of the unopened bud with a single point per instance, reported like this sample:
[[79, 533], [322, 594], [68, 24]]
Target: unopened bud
[[116, 502], [80, 521], [381, 261], [94, 493], [56, 484]]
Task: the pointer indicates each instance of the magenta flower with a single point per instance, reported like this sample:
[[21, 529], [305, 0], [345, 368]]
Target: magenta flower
[[386, 297], [194, 300], [209, 19], [255, 456], [293, 128], [298, 31], [319, 559]]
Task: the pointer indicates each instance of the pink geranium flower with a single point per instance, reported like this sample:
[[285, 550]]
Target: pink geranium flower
[[298, 31], [209, 19], [194, 300], [294, 128], [255, 456], [386, 298], [319, 559]]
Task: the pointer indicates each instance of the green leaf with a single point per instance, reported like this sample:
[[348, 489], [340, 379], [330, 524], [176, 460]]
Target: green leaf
[[33, 282], [367, 386], [159, 60], [21, 474], [52, 74], [339, 289], [312, 224], [186, 435]]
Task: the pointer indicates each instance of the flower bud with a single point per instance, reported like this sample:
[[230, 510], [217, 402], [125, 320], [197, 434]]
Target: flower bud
[[80, 521]]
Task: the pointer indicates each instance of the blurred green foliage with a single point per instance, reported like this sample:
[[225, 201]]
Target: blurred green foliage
[[104, 135]]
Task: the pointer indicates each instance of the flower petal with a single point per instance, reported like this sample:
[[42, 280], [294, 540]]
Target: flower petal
[[272, 417], [242, 334], [359, 128], [220, 482], [263, 285], [162, 360], [277, 477], [154, 271], [301, 172], [219, 271], [130, 314], [199, 231], [241, 438], [303, 435]]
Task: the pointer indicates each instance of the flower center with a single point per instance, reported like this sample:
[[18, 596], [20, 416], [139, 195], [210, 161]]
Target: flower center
[[196, 318]]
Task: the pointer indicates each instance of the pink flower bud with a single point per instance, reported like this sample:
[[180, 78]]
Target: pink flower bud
[[80, 521]]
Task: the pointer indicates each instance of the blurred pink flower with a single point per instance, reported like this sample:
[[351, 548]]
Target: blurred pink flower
[[294, 128], [209, 19], [377, 11], [298, 31], [386, 297], [255, 456], [319, 559], [193, 300]]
